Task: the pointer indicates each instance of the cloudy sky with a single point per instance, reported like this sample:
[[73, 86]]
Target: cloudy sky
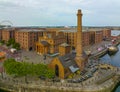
[[60, 12]]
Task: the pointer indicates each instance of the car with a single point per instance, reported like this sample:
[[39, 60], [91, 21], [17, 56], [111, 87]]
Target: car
[[75, 81], [89, 75], [80, 80], [83, 72], [93, 70]]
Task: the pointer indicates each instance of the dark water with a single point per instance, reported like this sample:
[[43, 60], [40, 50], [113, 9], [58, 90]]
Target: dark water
[[114, 60]]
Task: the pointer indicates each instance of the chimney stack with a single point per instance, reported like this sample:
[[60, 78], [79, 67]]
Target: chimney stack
[[79, 50]]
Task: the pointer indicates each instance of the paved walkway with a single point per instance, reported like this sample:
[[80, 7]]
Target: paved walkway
[[27, 56], [97, 47], [33, 57]]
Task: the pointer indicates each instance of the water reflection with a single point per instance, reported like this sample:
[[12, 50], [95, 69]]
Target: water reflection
[[114, 60]]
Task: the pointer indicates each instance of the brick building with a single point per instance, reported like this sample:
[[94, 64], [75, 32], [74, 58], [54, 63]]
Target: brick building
[[28, 37], [7, 33], [106, 33], [71, 37], [85, 38], [92, 38], [64, 49], [64, 65], [98, 36], [49, 43]]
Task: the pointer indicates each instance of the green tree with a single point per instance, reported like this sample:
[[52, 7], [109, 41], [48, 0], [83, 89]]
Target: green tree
[[2, 41], [11, 41], [16, 46], [23, 69], [49, 73], [8, 44]]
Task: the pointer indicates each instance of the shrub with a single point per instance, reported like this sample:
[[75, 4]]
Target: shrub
[[23, 68]]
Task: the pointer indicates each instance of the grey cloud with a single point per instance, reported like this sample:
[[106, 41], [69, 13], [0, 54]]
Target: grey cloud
[[46, 11], [8, 5]]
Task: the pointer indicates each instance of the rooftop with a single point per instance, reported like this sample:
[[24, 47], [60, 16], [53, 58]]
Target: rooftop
[[68, 60], [30, 30], [45, 43], [72, 30]]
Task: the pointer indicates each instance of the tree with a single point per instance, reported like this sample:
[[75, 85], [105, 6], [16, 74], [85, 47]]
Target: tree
[[16, 46], [11, 41], [8, 44], [23, 69], [49, 73], [2, 41]]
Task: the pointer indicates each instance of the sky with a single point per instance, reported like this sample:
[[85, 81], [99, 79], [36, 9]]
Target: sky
[[59, 12]]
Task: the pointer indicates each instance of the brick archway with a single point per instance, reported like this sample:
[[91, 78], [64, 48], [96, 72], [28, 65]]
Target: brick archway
[[57, 70]]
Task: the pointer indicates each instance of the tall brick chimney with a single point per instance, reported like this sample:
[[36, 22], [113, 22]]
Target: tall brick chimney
[[79, 34], [79, 59]]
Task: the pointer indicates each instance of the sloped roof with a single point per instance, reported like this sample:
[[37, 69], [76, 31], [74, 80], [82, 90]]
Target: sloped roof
[[45, 43], [73, 68], [68, 60]]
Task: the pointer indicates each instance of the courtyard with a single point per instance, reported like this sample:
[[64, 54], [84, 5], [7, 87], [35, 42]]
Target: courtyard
[[26, 56]]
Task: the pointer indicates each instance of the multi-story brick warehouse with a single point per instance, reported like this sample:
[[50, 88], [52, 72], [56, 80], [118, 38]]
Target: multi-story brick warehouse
[[22, 35], [71, 37], [106, 33], [92, 37], [49, 43], [89, 37], [7, 33], [86, 38], [28, 37], [98, 36]]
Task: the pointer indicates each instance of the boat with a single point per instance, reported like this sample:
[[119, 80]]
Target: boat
[[112, 50]]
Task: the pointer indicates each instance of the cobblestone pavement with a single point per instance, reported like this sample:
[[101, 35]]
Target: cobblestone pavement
[[33, 57], [25, 56]]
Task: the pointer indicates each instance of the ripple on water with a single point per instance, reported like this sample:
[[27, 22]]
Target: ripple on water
[[114, 60], [118, 89]]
